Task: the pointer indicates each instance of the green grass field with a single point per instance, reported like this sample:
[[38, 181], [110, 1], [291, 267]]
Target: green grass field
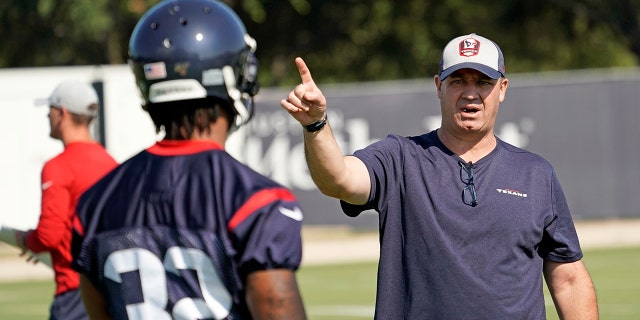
[[347, 291]]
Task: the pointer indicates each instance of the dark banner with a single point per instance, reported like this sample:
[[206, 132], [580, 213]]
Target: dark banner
[[585, 124]]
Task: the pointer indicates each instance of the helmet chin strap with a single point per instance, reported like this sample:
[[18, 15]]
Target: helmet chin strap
[[230, 82], [251, 42]]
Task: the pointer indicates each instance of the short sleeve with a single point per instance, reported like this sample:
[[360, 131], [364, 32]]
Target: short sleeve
[[560, 241], [382, 160], [269, 237]]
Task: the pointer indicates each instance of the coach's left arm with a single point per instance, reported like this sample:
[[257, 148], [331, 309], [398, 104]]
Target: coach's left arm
[[572, 290]]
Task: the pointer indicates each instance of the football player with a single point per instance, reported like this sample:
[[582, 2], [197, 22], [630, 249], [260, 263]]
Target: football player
[[182, 230]]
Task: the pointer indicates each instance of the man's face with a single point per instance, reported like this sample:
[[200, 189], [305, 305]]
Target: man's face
[[55, 117], [469, 101]]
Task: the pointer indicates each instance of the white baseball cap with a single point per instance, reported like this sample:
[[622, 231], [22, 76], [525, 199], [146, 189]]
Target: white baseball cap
[[75, 96], [472, 51]]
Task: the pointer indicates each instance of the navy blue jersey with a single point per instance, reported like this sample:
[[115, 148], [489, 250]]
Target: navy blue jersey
[[443, 258], [174, 231]]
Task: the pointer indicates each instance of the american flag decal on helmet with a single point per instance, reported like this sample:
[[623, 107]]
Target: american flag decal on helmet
[[156, 70]]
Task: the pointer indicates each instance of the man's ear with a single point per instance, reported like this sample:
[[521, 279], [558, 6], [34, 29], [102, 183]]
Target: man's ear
[[503, 88], [438, 83], [64, 112]]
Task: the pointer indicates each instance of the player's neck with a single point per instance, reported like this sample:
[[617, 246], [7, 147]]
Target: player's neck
[[218, 133]]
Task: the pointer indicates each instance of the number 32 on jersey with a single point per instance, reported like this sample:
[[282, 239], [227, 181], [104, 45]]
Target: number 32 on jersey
[[216, 302]]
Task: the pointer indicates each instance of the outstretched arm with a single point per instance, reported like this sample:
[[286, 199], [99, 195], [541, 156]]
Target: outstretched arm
[[572, 290], [17, 238], [338, 176]]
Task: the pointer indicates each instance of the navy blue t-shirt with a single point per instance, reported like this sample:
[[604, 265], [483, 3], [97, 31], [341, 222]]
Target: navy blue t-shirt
[[441, 257], [174, 231]]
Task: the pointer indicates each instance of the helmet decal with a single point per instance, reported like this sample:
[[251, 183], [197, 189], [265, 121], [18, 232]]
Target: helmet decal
[[156, 70], [212, 77]]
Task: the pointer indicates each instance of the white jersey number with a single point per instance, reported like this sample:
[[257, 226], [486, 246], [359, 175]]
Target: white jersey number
[[217, 300]]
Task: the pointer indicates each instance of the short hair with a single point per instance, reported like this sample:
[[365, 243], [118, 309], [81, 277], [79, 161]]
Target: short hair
[[190, 115], [84, 120]]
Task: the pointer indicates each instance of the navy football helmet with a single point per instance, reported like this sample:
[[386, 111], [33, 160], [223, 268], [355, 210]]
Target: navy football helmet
[[192, 49]]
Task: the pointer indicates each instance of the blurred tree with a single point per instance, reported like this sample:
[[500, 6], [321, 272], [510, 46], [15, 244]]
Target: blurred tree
[[618, 22], [67, 32], [344, 40], [352, 40]]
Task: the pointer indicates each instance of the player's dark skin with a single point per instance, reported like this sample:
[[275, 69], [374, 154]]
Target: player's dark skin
[[273, 294]]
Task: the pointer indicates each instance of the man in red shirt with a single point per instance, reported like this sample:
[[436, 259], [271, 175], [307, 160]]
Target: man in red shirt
[[72, 107]]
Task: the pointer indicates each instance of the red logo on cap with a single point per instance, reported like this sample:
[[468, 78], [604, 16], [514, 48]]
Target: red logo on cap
[[469, 47]]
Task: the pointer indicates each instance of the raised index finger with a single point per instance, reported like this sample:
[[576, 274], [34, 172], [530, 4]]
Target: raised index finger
[[305, 74]]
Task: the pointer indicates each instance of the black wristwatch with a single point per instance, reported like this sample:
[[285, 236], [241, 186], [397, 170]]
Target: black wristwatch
[[316, 126]]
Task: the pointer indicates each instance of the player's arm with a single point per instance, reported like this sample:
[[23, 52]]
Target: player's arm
[[337, 176], [274, 294], [93, 300], [54, 215], [572, 290], [17, 238]]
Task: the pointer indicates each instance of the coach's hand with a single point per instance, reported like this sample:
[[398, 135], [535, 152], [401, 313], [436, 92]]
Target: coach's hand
[[21, 237], [305, 103], [29, 256]]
